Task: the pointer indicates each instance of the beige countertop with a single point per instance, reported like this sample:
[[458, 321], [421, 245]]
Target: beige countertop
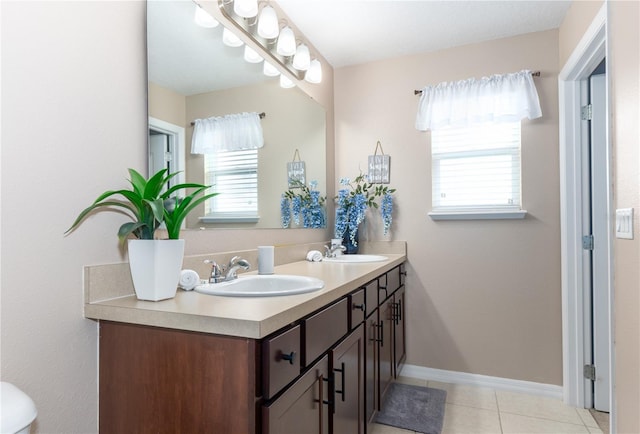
[[250, 317]]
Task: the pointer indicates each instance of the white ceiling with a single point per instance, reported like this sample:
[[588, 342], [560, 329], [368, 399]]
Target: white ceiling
[[350, 32]]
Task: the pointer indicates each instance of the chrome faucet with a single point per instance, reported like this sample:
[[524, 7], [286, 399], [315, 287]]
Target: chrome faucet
[[234, 265], [330, 250], [216, 271]]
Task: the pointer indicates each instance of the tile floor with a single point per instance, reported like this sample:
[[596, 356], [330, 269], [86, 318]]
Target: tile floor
[[472, 409]]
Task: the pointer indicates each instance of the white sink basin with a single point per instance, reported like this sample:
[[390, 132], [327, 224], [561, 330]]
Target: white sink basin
[[262, 286], [356, 258]]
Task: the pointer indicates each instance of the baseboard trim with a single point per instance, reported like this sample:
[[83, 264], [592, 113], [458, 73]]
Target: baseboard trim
[[529, 387]]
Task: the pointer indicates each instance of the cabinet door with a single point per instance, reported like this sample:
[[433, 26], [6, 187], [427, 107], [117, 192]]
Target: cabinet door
[[372, 335], [303, 407], [348, 384], [386, 347], [399, 327]]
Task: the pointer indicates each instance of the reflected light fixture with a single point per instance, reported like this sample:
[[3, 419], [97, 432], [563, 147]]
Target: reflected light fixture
[[302, 58], [203, 19], [268, 27], [230, 39], [314, 73], [269, 70], [251, 56], [286, 45], [245, 8], [273, 41], [285, 82]]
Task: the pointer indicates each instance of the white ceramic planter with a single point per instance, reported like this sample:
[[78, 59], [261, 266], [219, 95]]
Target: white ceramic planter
[[155, 267]]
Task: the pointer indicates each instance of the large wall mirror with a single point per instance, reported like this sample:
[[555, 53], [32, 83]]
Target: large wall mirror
[[193, 75]]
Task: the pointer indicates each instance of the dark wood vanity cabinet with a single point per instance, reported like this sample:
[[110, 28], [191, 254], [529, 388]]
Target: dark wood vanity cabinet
[[323, 374], [385, 349], [304, 407], [348, 384], [399, 328], [157, 380]]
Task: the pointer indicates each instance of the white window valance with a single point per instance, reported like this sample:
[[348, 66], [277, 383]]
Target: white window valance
[[232, 132], [499, 98]]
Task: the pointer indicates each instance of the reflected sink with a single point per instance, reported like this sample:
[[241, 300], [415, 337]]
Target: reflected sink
[[356, 258], [262, 286]]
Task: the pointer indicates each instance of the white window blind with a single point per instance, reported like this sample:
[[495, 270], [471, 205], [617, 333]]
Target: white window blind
[[235, 177], [476, 168]]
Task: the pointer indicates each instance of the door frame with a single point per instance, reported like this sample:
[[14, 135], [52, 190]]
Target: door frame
[[177, 137], [590, 51]]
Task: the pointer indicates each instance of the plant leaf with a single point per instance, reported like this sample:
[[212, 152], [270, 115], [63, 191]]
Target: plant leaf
[[95, 206]]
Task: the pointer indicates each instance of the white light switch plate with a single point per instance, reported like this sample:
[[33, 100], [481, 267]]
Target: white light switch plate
[[624, 223]]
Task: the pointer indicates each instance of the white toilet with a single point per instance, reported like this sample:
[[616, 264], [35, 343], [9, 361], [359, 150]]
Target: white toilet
[[17, 410]]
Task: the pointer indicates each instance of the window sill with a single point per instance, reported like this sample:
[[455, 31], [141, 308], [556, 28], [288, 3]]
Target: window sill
[[478, 215], [229, 219]]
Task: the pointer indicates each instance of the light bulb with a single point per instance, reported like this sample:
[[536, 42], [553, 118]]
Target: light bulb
[[251, 56], [314, 73], [302, 58], [203, 19], [268, 23], [269, 70], [230, 39], [286, 45], [286, 83], [245, 8]]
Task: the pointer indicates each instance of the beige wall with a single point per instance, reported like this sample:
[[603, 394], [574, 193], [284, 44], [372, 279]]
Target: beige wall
[[293, 121], [575, 23], [167, 105], [74, 119], [624, 77], [484, 296]]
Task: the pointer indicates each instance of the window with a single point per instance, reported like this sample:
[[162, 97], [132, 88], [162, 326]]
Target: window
[[235, 177], [476, 170]]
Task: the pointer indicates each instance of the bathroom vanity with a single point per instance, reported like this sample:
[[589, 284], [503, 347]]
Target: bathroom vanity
[[309, 363]]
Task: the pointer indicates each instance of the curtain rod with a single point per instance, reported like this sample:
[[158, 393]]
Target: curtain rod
[[261, 115], [533, 74]]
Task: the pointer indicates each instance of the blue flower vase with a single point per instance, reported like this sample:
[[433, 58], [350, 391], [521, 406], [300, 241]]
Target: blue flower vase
[[352, 249]]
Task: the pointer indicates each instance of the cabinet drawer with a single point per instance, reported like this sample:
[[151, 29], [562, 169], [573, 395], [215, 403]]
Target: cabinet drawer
[[371, 296], [393, 280], [403, 273], [281, 360], [357, 307], [324, 329]]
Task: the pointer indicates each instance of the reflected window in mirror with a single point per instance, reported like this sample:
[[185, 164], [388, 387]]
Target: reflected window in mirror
[[234, 175]]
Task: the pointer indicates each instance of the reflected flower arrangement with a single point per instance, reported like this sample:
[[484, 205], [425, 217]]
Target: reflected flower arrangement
[[305, 205]]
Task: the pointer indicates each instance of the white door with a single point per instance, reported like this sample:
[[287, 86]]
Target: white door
[[600, 230], [158, 149], [166, 149]]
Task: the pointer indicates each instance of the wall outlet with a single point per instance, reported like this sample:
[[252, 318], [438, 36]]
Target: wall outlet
[[624, 223]]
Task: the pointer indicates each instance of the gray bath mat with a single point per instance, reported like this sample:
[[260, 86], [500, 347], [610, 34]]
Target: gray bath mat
[[415, 408]]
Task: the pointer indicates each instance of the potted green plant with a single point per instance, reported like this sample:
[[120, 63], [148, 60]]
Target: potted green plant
[[154, 263]]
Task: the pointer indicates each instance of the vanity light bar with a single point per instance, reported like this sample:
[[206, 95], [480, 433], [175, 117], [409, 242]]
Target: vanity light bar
[[533, 74], [273, 46]]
